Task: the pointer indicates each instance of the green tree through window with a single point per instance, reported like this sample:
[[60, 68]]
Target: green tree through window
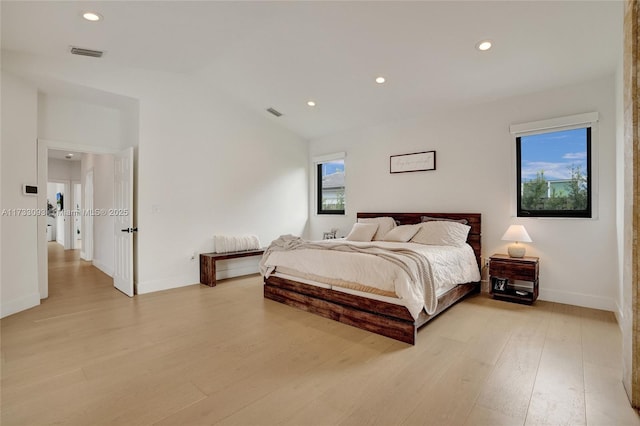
[[553, 174]]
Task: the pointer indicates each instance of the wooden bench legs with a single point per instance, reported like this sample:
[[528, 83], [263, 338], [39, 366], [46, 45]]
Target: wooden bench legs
[[207, 270]]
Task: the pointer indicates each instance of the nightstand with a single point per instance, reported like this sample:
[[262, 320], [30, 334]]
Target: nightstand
[[514, 279]]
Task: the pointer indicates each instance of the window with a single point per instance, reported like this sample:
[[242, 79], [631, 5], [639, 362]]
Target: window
[[556, 167], [330, 186], [554, 173]]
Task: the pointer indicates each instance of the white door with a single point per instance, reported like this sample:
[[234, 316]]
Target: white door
[[123, 222], [76, 232], [87, 243]]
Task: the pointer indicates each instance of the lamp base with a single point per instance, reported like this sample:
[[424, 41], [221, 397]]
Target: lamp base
[[516, 250]]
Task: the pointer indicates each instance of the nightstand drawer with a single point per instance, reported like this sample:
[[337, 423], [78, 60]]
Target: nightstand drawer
[[514, 270]]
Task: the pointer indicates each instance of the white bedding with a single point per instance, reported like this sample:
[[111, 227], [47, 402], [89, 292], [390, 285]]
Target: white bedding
[[449, 266]]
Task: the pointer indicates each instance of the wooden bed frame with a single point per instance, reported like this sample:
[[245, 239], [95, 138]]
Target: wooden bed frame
[[376, 316]]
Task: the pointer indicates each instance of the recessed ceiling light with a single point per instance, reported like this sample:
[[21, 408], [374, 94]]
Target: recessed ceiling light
[[311, 103], [380, 80], [92, 16], [484, 45]]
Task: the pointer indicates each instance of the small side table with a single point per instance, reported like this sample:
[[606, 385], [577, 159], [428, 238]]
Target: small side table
[[514, 279]]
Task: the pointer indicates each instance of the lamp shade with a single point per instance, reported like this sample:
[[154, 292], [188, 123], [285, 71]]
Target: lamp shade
[[517, 233]]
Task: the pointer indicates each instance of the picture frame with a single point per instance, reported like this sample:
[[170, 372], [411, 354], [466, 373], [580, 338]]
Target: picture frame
[[414, 162], [499, 285]]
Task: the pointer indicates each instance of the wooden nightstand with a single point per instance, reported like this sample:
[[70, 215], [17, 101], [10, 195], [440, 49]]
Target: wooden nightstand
[[514, 279]]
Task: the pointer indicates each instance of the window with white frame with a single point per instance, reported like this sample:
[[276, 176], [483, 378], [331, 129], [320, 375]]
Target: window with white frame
[[554, 167], [330, 184]]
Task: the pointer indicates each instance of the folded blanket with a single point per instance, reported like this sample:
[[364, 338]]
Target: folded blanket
[[414, 264], [224, 244]]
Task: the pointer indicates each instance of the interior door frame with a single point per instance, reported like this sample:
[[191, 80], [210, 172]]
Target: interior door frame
[[44, 145], [86, 252]]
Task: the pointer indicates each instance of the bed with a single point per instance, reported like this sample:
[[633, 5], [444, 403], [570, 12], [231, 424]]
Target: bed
[[375, 313]]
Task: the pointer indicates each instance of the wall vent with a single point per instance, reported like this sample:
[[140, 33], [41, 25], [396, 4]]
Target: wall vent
[[274, 112], [86, 52]]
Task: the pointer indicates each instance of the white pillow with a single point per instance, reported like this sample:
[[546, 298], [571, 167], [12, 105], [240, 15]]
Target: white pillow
[[362, 231], [442, 233], [402, 233], [385, 224]]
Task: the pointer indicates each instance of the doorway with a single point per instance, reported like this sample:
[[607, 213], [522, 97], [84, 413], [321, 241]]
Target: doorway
[[58, 212], [84, 228]]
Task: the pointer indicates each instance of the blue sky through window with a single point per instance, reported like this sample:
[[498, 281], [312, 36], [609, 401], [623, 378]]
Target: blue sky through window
[[554, 153], [332, 167]]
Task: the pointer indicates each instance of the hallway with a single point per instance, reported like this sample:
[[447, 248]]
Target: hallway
[[72, 280]]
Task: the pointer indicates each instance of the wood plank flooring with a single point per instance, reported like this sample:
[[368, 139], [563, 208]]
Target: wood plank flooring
[[197, 356]]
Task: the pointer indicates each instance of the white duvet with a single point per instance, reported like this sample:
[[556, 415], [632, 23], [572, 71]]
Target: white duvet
[[449, 266]]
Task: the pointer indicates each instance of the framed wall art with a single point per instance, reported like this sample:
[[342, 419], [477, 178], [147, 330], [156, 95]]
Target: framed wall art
[[415, 162]]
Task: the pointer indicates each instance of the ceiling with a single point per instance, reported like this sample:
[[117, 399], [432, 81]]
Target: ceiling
[[61, 155], [282, 54]]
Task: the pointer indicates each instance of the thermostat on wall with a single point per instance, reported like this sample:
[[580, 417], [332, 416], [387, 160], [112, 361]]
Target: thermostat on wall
[[29, 189]]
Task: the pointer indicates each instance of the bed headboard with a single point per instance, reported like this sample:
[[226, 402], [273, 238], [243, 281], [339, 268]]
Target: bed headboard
[[473, 219]]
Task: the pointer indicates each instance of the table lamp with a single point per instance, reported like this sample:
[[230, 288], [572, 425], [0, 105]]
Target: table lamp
[[518, 234]]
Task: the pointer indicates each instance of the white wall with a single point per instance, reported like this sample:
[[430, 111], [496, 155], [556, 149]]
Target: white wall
[[206, 166], [474, 156], [624, 191], [63, 169], [103, 238], [85, 123], [19, 266]]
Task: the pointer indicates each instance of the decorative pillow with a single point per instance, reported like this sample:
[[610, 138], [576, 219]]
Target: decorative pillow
[[431, 219], [362, 231], [385, 224], [442, 233], [402, 233]]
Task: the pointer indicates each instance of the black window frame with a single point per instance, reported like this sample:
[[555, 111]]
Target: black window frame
[[587, 213], [319, 208]]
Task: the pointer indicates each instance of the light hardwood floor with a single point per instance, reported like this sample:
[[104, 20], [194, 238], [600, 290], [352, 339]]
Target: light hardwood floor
[[197, 355]]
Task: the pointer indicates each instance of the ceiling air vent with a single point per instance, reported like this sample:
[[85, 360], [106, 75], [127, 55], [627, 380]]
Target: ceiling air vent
[[86, 52], [274, 112]]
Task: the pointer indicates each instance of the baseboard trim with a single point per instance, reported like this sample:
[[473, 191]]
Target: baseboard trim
[[14, 306], [578, 299], [104, 268], [151, 286]]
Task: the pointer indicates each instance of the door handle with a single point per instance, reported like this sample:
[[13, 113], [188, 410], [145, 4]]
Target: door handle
[[130, 230]]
